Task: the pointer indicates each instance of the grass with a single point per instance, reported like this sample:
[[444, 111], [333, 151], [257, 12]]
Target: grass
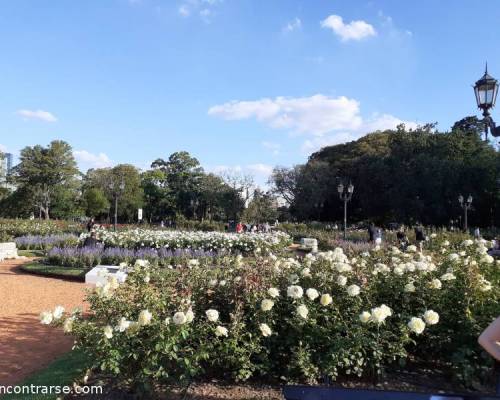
[[62, 371], [31, 253], [55, 271]]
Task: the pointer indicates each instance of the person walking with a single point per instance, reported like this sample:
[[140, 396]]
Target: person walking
[[371, 232], [419, 235]]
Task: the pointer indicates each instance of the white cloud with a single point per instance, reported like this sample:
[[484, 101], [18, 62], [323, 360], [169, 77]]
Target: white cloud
[[272, 147], [3, 148], [293, 25], [88, 160], [203, 8], [260, 172], [184, 11], [354, 30], [38, 114], [315, 115]]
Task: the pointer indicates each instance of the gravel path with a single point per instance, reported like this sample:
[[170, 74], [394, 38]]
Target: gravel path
[[25, 344]]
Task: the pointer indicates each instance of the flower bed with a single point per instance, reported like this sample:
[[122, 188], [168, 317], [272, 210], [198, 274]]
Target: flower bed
[[327, 315], [37, 242], [88, 257], [208, 241], [21, 227]]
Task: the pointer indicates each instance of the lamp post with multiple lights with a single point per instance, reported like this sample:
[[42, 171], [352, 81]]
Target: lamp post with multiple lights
[[345, 194], [466, 205], [116, 191]]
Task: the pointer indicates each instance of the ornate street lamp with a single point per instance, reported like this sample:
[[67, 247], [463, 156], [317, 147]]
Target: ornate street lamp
[[116, 191], [466, 205], [486, 90], [345, 194]]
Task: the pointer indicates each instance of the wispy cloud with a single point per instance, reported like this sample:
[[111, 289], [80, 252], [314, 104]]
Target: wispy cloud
[[205, 9], [37, 114], [293, 25], [87, 160], [354, 30], [274, 148]]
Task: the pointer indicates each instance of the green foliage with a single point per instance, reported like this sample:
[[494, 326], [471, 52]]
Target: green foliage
[[95, 202], [155, 328], [262, 208], [20, 227]]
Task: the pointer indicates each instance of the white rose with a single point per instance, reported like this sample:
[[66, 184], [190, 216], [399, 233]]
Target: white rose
[[144, 318], [341, 280], [46, 317], [409, 287], [179, 318], [273, 292], [302, 311], [58, 312], [221, 331], [123, 325], [325, 299], [353, 290], [265, 330], [212, 315], [295, 292], [266, 304], [431, 317], [312, 294], [448, 277], [108, 331], [364, 317], [68, 325], [189, 316], [435, 284], [416, 325]]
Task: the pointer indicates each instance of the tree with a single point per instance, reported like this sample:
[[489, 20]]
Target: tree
[[47, 172], [262, 208], [284, 182], [95, 202]]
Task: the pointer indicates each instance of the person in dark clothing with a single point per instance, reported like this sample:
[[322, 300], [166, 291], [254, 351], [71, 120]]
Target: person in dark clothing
[[372, 231], [90, 224], [419, 235], [91, 241], [402, 238]]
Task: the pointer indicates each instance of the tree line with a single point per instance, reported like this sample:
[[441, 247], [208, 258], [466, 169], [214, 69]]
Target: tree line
[[402, 175]]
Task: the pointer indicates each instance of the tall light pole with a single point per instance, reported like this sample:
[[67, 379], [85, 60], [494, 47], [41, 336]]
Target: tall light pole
[[486, 90], [466, 205], [345, 194], [116, 191]]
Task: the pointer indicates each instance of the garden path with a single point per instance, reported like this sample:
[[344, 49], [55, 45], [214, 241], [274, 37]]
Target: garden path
[[25, 344]]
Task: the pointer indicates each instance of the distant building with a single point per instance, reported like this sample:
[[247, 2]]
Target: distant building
[[6, 164], [9, 160]]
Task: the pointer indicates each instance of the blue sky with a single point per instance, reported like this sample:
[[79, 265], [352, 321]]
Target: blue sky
[[240, 84]]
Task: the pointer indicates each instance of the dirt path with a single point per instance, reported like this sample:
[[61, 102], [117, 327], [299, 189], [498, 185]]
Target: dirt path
[[25, 344]]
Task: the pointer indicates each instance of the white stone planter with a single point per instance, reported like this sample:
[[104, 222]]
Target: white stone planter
[[8, 250], [101, 273]]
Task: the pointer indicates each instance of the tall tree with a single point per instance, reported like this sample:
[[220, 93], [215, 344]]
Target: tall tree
[[47, 172]]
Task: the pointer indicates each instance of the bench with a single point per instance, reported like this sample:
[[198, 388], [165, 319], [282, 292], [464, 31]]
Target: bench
[[310, 244], [333, 393], [8, 250], [100, 274]]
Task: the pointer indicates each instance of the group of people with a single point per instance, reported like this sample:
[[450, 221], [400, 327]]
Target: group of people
[[253, 228], [375, 235]]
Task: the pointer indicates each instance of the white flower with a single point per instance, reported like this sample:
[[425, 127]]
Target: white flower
[[147, 278], [379, 314], [167, 321], [364, 317], [306, 272], [265, 330], [312, 294], [431, 317], [325, 299], [302, 311], [108, 331], [485, 286], [295, 292], [411, 249], [179, 318], [467, 243], [68, 325], [433, 235], [123, 325], [144, 318], [141, 263], [409, 287], [266, 304], [446, 243], [435, 284], [448, 277], [273, 292], [353, 290], [487, 259], [221, 331], [58, 312], [46, 317], [416, 325], [341, 280], [453, 257], [189, 316], [222, 282], [212, 315]]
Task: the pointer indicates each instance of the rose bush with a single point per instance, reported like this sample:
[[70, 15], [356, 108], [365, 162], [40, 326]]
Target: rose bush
[[294, 320]]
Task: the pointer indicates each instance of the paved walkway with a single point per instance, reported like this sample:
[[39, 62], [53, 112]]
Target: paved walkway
[[25, 344]]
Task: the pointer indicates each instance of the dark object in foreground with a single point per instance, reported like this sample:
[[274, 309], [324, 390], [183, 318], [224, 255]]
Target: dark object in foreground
[[331, 393]]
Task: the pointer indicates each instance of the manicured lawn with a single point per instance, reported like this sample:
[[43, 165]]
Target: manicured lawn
[[55, 271], [62, 371], [31, 253]]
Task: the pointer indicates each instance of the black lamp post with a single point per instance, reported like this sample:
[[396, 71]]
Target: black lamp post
[[345, 194], [486, 90], [466, 205], [116, 191]]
